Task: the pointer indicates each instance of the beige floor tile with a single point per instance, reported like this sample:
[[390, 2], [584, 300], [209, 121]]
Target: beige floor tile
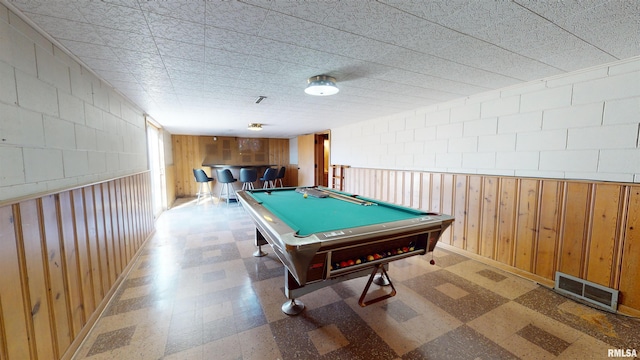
[[327, 339], [503, 322], [525, 349], [511, 287], [586, 347], [228, 348], [258, 343]]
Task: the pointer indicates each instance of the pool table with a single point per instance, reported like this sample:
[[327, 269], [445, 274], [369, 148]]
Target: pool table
[[323, 236]]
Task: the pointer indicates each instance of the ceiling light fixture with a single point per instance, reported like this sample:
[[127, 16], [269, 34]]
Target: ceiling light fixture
[[255, 127], [321, 85]]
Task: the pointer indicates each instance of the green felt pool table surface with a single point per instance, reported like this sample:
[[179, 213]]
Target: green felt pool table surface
[[313, 215]]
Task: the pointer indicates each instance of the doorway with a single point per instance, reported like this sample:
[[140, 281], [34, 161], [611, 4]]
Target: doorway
[[314, 159], [155, 150]]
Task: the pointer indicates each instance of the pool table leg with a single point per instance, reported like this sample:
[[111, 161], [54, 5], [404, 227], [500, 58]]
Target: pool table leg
[[260, 240], [292, 307]]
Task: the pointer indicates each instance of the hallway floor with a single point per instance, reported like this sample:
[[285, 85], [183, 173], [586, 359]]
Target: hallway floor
[[197, 292]]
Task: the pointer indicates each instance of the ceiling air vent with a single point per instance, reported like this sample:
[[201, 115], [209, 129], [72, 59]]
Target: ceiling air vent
[[584, 290]]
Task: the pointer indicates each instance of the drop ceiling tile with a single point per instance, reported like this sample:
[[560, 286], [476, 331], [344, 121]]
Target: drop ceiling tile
[[429, 10], [306, 10], [183, 65], [113, 16], [236, 16], [88, 50], [193, 11], [132, 57], [170, 28], [217, 57], [180, 49], [482, 55], [228, 40], [61, 9], [127, 40], [63, 29], [260, 64]]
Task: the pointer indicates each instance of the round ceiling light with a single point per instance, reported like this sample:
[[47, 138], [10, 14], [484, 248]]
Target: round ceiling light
[[321, 85]]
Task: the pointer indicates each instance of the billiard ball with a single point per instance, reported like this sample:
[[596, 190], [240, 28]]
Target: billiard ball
[[370, 258], [432, 262], [305, 195]]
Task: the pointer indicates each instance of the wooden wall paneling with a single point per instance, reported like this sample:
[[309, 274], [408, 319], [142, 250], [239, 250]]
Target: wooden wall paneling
[[92, 245], [416, 189], [577, 200], [546, 254], [112, 214], [36, 281], [507, 220], [384, 190], [71, 262], [108, 233], [473, 213], [604, 233], [58, 296], [629, 284], [447, 204], [126, 227], [407, 188], [170, 184], [365, 187], [436, 192], [527, 224], [118, 206], [178, 160], [377, 193], [136, 221], [489, 216], [425, 194], [460, 196], [392, 188], [14, 318], [101, 238], [84, 255]]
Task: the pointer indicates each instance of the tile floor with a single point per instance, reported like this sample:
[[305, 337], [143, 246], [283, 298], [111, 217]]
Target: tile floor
[[196, 292]]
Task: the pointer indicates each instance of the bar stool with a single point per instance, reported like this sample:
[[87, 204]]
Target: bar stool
[[280, 176], [269, 177], [226, 179], [203, 180], [247, 178]]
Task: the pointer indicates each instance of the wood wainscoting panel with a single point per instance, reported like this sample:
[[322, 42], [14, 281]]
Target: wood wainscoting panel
[[35, 281], [57, 282], [605, 222], [71, 263], [489, 217], [15, 330], [474, 214], [61, 262], [536, 227], [527, 224], [507, 211], [577, 209], [629, 284], [546, 253], [425, 192], [460, 195]]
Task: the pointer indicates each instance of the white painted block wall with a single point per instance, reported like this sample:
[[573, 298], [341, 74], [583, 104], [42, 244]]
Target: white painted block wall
[[581, 125], [60, 126]]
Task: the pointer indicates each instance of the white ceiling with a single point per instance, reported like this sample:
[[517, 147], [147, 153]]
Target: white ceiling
[[197, 67]]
